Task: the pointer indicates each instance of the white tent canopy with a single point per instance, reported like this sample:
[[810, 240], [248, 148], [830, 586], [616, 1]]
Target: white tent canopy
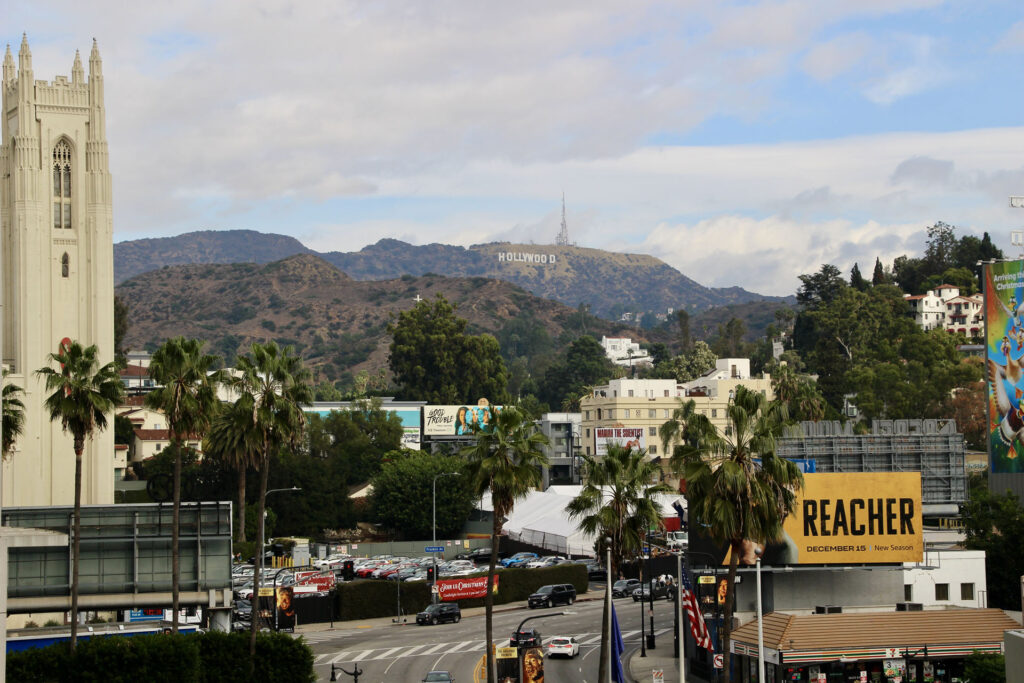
[[541, 519]]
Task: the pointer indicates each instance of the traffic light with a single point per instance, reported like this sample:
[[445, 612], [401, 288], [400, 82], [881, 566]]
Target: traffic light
[[348, 571], [430, 575]]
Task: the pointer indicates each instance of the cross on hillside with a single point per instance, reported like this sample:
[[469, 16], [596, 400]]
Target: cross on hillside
[[418, 298]]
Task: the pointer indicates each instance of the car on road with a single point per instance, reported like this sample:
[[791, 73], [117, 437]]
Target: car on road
[[527, 637], [442, 611], [551, 595], [595, 572], [438, 677], [624, 587], [563, 646], [644, 592]]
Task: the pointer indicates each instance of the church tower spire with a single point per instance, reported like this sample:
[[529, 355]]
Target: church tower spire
[[9, 72], [77, 73]]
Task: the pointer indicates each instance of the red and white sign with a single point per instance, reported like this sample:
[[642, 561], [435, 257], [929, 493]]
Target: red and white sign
[[627, 437], [719, 661], [313, 581], [461, 589]]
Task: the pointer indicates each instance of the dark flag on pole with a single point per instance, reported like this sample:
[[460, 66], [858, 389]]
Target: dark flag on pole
[[617, 649]]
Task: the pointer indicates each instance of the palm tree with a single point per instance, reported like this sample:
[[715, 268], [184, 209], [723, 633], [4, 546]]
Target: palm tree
[[733, 499], [13, 422], [83, 393], [506, 461], [272, 385], [186, 394], [617, 502], [233, 439]]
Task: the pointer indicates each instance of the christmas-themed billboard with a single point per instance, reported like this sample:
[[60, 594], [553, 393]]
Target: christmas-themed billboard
[[463, 589], [1004, 353]]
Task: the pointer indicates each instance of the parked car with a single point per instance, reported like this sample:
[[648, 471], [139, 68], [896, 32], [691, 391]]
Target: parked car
[[442, 611], [624, 587], [527, 637], [565, 646], [595, 572], [438, 677], [481, 555], [546, 561], [519, 559], [644, 592], [553, 594]]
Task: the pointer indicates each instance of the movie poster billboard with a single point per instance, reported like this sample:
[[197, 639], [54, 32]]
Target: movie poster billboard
[[631, 437], [463, 589], [841, 518], [284, 612], [1004, 352], [458, 420]]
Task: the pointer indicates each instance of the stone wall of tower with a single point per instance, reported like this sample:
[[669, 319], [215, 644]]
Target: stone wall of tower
[[41, 304]]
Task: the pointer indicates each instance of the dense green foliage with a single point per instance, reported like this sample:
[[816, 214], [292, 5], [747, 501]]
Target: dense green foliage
[[995, 523], [583, 365], [403, 495], [433, 358], [212, 657], [990, 668], [13, 422]]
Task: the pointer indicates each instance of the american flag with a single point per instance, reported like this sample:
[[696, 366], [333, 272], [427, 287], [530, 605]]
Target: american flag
[[697, 626]]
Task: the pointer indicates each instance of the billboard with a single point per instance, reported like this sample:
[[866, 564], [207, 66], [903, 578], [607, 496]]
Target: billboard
[[462, 589], [464, 420], [410, 417], [635, 437], [1004, 353], [842, 518]]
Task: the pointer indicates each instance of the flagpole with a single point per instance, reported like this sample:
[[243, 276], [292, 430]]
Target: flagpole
[[760, 626], [682, 624]]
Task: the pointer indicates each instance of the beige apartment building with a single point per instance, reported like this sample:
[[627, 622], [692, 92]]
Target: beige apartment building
[[630, 411]]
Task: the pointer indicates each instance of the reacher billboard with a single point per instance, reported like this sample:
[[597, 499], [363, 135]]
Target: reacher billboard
[[843, 518], [1004, 354]]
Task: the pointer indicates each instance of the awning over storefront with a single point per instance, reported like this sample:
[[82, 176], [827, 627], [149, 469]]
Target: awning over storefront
[[805, 638]]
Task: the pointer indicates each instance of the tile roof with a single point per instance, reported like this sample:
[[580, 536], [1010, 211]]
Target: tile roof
[[789, 632], [153, 434]]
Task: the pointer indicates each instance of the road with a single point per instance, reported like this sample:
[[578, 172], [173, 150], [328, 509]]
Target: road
[[405, 653]]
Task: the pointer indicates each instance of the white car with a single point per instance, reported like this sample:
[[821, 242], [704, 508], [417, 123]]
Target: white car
[[565, 646], [546, 561]]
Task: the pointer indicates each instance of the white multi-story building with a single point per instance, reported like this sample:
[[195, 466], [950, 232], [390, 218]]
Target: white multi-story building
[[945, 308], [624, 351], [965, 315], [947, 579]]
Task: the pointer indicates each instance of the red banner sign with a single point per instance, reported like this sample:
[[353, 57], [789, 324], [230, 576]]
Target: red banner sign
[[460, 589], [306, 581]]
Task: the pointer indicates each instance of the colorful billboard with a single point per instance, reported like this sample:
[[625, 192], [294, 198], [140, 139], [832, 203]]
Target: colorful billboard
[[461, 420], [463, 589], [410, 417], [842, 518], [1004, 352], [633, 437]]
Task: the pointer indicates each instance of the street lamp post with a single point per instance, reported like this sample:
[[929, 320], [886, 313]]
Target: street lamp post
[[433, 526], [259, 558], [760, 626]]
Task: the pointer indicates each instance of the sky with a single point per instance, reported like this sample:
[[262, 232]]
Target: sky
[[743, 143]]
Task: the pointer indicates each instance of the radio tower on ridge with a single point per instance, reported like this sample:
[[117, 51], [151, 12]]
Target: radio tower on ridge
[[563, 235]]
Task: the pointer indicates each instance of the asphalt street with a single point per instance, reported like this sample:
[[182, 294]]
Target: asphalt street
[[405, 653]]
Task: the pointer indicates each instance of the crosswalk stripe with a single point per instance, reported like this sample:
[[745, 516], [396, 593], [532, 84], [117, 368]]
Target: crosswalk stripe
[[466, 645], [412, 650], [387, 653], [434, 649], [340, 657]]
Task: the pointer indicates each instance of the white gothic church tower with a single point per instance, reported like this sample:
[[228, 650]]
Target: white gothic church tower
[[57, 266]]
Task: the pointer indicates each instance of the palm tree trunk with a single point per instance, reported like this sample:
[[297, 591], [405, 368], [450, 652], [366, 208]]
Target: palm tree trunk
[[489, 598], [264, 476], [175, 537], [730, 602], [241, 505], [76, 541]]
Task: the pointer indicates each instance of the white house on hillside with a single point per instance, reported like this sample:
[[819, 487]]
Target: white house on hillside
[[624, 351]]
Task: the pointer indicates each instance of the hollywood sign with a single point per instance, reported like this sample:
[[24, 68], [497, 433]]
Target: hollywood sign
[[522, 257]]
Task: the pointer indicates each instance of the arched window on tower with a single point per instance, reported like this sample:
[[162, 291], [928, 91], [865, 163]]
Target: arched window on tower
[[62, 185], [65, 265]]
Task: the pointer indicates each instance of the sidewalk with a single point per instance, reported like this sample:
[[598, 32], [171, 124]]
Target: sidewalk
[[640, 668]]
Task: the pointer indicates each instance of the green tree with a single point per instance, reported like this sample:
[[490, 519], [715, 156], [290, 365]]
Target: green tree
[[13, 422], [820, 288], [688, 366], [990, 668], [878, 275], [617, 502], [800, 394], [121, 324], [505, 461], [186, 394], [857, 280], [355, 442], [403, 498], [234, 441], [82, 394], [434, 360], [736, 499], [272, 385], [995, 523], [685, 339], [585, 364]]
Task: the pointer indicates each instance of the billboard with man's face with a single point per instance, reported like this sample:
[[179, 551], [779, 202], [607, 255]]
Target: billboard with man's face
[[841, 518], [1004, 353]]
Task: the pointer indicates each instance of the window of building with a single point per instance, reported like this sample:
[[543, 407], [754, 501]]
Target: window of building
[[908, 592], [941, 591], [159, 447], [637, 412], [65, 265], [666, 393], [611, 413], [966, 591], [630, 393], [588, 450], [652, 449], [598, 413], [62, 185], [586, 414], [652, 413], [588, 432], [664, 413], [714, 412], [652, 431]]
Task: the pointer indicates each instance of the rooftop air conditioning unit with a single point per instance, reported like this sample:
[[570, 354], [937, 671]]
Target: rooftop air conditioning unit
[[828, 609], [909, 607]]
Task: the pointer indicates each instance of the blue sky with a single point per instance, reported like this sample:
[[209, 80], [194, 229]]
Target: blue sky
[[744, 143]]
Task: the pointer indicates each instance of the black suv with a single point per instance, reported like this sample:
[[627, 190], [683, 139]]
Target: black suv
[[528, 637], [555, 594], [442, 611]]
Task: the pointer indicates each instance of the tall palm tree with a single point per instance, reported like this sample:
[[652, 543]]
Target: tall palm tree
[[83, 394], [186, 394], [233, 439], [617, 502], [733, 499], [13, 422], [506, 461], [272, 385]]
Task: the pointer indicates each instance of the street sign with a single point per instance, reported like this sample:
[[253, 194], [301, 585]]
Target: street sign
[[434, 549], [719, 661], [658, 676]]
